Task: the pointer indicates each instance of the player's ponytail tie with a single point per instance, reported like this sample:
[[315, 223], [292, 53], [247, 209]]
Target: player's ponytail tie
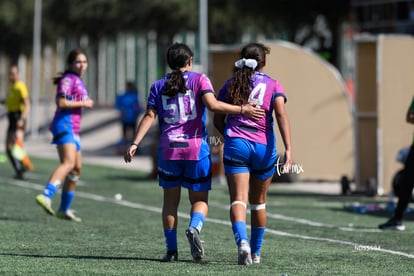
[[251, 63]]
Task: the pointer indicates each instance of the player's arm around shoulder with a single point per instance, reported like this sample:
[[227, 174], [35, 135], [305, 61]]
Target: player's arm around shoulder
[[217, 106]]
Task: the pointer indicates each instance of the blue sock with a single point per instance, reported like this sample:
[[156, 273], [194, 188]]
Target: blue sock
[[171, 239], [50, 190], [67, 198], [197, 221], [240, 232], [256, 239]]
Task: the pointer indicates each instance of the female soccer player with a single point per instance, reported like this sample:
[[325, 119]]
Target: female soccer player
[[180, 99], [250, 146], [71, 97]]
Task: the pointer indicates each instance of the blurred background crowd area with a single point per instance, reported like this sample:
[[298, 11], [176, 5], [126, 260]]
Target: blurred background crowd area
[[126, 41]]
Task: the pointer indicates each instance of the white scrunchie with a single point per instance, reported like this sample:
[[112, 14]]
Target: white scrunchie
[[252, 63]]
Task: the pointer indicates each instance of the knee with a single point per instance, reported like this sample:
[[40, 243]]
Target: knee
[[76, 170], [72, 167], [73, 177], [68, 166]]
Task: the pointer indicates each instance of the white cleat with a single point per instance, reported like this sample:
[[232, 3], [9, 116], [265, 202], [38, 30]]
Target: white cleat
[[244, 254], [69, 215]]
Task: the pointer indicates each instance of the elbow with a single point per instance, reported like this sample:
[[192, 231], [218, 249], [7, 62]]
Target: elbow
[[61, 105], [279, 116]]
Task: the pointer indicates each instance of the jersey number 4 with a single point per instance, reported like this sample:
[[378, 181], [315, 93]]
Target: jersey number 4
[[257, 94]]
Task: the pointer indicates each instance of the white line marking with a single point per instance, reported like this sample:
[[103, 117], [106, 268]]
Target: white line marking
[[99, 198], [305, 221]]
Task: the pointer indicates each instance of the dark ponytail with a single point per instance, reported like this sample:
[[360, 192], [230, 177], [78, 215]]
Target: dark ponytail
[[178, 56]]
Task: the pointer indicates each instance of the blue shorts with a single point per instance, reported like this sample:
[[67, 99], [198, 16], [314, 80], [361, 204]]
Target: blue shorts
[[66, 137], [191, 174], [241, 155]]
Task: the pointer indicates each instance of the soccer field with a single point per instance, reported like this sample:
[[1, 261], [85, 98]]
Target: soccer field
[[307, 233]]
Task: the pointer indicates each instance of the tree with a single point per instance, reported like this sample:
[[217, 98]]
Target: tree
[[275, 19], [99, 18], [228, 20], [16, 27]]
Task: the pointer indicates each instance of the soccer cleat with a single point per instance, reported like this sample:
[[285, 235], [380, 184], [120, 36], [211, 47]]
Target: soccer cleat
[[392, 224], [244, 254], [197, 250], [69, 215], [170, 256], [256, 258], [19, 176], [45, 203]]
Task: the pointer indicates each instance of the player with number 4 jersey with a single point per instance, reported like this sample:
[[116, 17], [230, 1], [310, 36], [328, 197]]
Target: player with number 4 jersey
[[263, 95], [250, 146]]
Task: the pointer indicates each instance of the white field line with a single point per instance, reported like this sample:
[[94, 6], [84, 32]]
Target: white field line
[[303, 221], [34, 186]]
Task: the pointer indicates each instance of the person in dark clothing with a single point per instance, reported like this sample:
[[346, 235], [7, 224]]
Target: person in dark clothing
[[407, 185]]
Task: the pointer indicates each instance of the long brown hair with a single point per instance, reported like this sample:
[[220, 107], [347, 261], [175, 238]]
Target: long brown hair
[[241, 84]]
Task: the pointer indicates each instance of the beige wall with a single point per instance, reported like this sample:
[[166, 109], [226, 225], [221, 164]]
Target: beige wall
[[395, 90], [318, 108], [384, 88], [366, 113], [319, 111]]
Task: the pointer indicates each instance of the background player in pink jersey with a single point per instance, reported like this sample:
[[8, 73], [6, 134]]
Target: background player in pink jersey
[[180, 99], [250, 146], [71, 97]]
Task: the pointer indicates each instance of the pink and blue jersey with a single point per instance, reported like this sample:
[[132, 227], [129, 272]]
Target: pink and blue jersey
[[72, 88], [264, 91], [182, 118]]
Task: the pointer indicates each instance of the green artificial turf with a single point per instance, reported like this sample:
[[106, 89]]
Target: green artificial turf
[[308, 233]]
